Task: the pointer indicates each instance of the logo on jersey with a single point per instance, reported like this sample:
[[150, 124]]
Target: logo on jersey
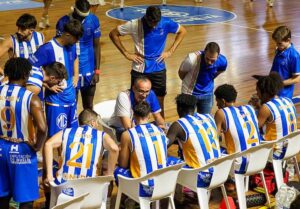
[[14, 149], [61, 121], [185, 15]]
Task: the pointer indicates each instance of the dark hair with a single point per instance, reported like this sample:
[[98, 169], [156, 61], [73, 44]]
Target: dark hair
[[212, 47], [17, 68], [270, 85], [86, 116], [26, 21], [142, 109], [140, 78], [186, 103], [226, 92], [282, 33], [74, 28], [57, 70], [82, 5], [153, 14]]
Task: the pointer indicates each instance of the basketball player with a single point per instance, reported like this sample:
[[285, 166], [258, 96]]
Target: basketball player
[[61, 107], [82, 148], [197, 135], [22, 132]]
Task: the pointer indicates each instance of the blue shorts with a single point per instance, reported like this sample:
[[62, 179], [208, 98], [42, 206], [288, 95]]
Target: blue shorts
[[84, 81], [61, 117], [18, 172]]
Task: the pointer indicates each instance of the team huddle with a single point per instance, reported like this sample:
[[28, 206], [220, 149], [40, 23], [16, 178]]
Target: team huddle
[[39, 92]]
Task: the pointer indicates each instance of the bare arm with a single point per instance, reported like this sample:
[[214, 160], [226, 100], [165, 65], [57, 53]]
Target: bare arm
[[124, 155], [97, 55], [5, 46], [263, 115], [293, 80], [174, 133], [34, 89], [54, 142], [179, 37], [113, 152], [126, 122], [115, 38], [37, 113], [76, 72], [220, 122], [159, 120]]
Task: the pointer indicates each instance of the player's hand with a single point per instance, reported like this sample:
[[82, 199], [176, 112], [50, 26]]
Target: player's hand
[[56, 89], [134, 57], [75, 81], [95, 79], [47, 180], [163, 56]]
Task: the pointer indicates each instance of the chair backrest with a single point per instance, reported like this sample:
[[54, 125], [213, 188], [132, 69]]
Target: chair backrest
[[293, 144], [221, 167], [105, 109], [257, 157], [95, 186], [74, 203], [165, 181], [109, 130]]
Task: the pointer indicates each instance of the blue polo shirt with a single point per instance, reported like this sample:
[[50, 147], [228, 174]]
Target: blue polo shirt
[[207, 74], [287, 64]]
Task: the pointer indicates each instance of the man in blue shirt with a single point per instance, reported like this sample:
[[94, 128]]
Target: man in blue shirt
[[88, 50], [122, 118], [61, 99], [198, 71], [149, 34], [286, 61]]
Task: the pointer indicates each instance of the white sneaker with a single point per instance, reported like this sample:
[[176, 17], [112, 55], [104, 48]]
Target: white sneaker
[[198, 1], [102, 2]]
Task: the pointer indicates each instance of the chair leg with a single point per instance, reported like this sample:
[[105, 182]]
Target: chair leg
[[156, 204], [240, 188], [225, 196], [297, 168], [246, 183], [265, 187], [277, 165], [144, 204], [118, 199], [171, 202], [202, 198]]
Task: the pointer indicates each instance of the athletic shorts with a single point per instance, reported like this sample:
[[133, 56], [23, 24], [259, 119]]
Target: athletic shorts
[[18, 172], [60, 117], [84, 81], [158, 80]]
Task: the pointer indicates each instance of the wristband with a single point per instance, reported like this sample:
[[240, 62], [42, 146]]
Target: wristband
[[97, 71]]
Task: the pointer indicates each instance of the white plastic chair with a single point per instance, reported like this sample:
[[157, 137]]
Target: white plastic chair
[[164, 186], [257, 159], [105, 110], [222, 167], [292, 149], [95, 186], [74, 203]]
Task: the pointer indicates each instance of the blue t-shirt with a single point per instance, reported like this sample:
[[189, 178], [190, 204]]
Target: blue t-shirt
[[149, 42], [155, 42], [287, 64], [54, 52], [207, 74], [85, 46]]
